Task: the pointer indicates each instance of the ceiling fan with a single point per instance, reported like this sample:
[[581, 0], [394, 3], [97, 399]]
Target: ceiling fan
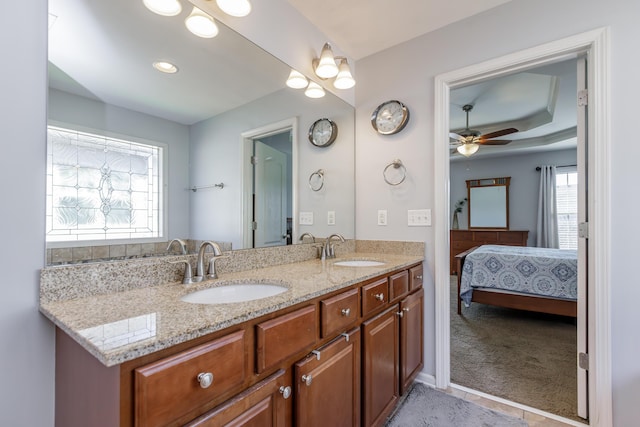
[[468, 141]]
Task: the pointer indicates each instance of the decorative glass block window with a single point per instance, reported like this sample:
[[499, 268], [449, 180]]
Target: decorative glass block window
[[102, 188], [567, 208]]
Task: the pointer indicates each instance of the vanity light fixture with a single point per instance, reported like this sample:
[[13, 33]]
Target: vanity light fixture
[[201, 24], [326, 67], [467, 149], [165, 67], [297, 80], [237, 8], [344, 79], [314, 90], [163, 7]]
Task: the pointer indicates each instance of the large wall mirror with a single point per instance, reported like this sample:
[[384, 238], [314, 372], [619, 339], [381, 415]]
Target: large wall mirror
[[488, 205], [101, 80]]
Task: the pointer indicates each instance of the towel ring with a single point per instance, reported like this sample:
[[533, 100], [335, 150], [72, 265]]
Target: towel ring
[[316, 180], [396, 164]]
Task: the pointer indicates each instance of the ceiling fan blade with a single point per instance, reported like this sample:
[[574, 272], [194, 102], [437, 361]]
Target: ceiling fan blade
[[456, 137], [493, 142], [498, 133]]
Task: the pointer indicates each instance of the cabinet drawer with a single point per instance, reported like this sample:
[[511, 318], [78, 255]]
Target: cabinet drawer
[[375, 295], [463, 244], [485, 236], [169, 388], [338, 312], [514, 237], [398, 285], [461, 235], [415, 277], [284, 336]]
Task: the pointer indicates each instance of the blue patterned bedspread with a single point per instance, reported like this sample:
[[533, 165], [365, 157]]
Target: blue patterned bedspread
[[539, 271]]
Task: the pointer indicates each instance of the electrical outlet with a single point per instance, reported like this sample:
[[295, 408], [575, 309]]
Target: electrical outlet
[[331, 218], [382, 217], [419, 217], [305, 218]]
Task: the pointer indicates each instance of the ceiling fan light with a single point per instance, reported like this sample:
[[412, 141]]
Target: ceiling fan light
[[326, 67], [296, 80], [163, 7], [314, 90], [344, 79], [468, 149], [238, 8], [201, 24]]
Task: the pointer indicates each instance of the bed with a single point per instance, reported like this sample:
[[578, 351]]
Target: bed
[[534, 279]]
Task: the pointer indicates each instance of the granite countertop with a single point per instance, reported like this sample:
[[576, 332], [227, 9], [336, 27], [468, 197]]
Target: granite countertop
[[122, 326]]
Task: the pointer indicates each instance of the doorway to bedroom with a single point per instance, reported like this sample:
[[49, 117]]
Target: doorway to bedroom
[[597, 358]]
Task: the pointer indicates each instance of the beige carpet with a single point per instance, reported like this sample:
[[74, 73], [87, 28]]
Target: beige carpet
[[524, 357]]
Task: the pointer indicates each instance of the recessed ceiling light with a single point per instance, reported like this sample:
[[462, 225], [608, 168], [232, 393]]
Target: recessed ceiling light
[[164, 7], [165, 67]]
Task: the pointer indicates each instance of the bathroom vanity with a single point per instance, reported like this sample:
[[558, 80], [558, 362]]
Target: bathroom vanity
[[339, 347]]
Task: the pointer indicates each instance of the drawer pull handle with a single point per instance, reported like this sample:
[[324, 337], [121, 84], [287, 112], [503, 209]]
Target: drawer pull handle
[[406, 309], [419, 277], [400, 314], [346, 312], [285, 391], [379, 297], [205, 379], [307, 379]]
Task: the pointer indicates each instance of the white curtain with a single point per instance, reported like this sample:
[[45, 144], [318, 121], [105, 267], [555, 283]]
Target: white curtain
[[547, 230]]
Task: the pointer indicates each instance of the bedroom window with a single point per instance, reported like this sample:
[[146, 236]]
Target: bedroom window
[[567, 208], [101, 188]]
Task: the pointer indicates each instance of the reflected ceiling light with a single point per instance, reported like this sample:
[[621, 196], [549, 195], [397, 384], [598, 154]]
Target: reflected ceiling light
[[165, 67], [296, 80], [237, 8], [314, 90], [344, 79], [164, 7], [467, 149], [201, 24], [326, 66]]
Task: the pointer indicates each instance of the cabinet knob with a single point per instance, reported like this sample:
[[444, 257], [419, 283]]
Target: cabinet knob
[[285, 391], [406, 309], [379, 297], [346, 312], [205, 379], [419, 277], [307, 379], [400, 314]]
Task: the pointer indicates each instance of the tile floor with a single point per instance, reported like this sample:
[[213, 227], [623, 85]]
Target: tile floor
[[534, 419]]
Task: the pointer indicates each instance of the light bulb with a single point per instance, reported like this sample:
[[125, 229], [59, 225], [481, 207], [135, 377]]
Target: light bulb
[[201, 24], [344, 79], [468, 149], [296, 80], [326, 67], [237, 8], [163, 7], [314, 90]]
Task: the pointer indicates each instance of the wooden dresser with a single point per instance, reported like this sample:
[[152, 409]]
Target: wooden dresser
[[461, 240]]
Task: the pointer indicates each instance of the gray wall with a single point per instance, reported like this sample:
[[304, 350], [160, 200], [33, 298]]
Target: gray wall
[[97, 116], [26, 337], [407, 72], [523, 191]]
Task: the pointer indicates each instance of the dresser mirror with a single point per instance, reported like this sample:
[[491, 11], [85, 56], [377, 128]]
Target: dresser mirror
[[101, 81], [488, 205]]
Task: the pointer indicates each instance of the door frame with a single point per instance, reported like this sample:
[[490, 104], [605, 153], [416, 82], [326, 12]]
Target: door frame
[[246, 141], [596, 44]]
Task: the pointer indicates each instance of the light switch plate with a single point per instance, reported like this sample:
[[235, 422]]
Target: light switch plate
[[305, 218], [331, 218], [419, 217], [382, 217]]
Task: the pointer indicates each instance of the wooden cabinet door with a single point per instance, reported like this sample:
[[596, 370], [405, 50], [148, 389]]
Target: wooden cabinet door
[[380, 338], [411, 338], [266, 404], [327, 384]]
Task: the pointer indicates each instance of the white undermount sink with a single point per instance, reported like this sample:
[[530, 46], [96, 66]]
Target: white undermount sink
[[235, 292], [358, 263]]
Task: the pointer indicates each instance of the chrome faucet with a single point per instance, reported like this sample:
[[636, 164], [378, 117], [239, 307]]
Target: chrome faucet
[[183, 245], [211, 272], [313, 238], [328, 251]]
